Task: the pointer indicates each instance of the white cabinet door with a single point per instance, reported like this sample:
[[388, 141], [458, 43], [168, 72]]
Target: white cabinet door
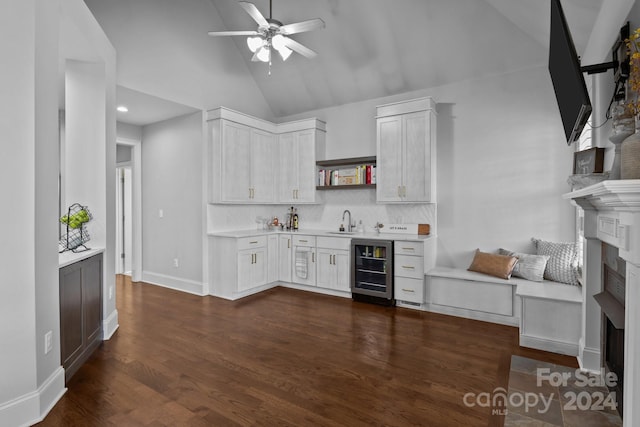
[[390, 159], [304, 260], [342, 261], [306, 159], [327, 272], [417, 158], [263, 150], [272, 256], [334, 269], [288, 176], [245, 269], [259, 274], [252, 268], [406, 144], [297, 170], [236, 155], [304, 266], [284, 258]]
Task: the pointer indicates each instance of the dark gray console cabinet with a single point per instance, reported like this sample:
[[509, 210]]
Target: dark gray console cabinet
[[80, 312]]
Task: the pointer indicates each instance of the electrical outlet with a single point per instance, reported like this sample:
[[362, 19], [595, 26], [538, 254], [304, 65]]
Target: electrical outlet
[[176, 264], [160, 213], [110, 292], [48, 344]]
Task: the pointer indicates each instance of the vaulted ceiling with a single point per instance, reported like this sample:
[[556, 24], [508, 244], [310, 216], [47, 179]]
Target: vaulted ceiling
[[369, 48]]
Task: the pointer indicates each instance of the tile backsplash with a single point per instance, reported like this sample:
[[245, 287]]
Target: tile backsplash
[[327, 214]]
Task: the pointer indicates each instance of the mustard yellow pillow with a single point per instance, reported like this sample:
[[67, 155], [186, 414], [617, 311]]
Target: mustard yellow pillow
[[495, 265]]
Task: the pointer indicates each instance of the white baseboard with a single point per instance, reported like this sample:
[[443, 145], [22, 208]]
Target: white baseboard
[[110, 325], [31, 408], [569, 349], [176, 283], [324, 291], [589, 359], [474, 315]]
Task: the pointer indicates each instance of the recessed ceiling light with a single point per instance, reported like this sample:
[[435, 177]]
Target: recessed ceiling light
[[122, 109]]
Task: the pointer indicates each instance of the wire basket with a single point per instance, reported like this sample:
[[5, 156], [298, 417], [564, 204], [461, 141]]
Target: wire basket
[[76, 231]]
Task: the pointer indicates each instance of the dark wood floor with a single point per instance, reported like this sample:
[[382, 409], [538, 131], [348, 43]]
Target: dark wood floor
[[287, 358]]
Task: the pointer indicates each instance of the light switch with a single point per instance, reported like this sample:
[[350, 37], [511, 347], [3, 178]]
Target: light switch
[[160, 213]]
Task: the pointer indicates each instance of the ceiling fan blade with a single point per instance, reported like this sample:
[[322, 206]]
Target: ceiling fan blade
[[252, 10], [297, 47], [301, 27], [233, 33]]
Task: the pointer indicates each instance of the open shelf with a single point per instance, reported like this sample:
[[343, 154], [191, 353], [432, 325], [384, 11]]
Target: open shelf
[[344, 187], [337, 163]]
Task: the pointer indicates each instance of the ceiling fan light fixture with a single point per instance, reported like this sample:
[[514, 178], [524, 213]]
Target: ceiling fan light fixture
[[278, 41], [255, 43], [264, 54], [284, 52]]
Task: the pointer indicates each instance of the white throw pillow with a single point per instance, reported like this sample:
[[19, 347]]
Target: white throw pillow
[[563, 261], [530, 267]]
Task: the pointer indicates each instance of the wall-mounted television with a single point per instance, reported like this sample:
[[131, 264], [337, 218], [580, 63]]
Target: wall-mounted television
[[566, 75]]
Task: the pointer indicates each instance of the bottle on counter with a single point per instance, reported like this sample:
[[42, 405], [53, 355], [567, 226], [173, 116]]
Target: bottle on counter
[[295, 219]]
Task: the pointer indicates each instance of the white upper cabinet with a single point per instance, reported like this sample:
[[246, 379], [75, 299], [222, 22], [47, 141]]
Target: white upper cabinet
[[297, 172], [255, 161], [406, 152]]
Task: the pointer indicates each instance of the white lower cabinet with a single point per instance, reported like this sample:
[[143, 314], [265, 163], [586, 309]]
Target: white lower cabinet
[[272, 258], [252, 268], [241, 266], [334, 264], [285, 257], [303, 269], [238, 266], [408, 267]]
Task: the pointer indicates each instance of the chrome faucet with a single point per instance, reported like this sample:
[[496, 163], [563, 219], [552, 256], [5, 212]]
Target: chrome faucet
[[349, 222]]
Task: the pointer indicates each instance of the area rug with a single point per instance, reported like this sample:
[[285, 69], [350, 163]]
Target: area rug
[[543, 394]]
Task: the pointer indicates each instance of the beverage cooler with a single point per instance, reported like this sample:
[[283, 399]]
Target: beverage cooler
[[372, 271]]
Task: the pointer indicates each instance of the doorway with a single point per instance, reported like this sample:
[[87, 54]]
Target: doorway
[[128, 205], [124, 223]]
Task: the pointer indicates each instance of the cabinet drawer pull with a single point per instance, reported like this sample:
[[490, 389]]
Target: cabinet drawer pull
[[288, 243], [253, 242], [313, 257], [303, 241], [408, 290], [410, 267], [408, 249]]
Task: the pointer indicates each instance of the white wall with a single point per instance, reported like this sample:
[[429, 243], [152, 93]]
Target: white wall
[[31, 379], [502, 162], [172, 181], [129, 131], [17, 178]]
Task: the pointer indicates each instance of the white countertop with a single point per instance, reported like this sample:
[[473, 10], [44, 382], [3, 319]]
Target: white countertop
[[68, 257], [324, 233]]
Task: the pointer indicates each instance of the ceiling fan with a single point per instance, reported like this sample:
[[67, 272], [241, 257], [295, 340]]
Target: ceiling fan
[[272, 33]]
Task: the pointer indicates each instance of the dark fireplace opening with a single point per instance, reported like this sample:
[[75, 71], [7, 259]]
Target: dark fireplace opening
[[612, 303], [614, 358]]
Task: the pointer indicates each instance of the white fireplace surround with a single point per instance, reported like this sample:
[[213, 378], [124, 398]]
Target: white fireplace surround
[[612, 215]]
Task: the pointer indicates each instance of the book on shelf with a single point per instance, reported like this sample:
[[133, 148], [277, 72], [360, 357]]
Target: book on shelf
[[356, 175]]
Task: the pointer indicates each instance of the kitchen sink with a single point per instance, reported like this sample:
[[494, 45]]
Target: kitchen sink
[[341, 232]]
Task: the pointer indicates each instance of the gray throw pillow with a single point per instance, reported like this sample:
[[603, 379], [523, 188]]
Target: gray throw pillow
[[563, 261], [530, 267]]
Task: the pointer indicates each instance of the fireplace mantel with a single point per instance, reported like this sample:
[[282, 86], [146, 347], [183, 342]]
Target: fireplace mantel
[[621, 194], [612, 215]]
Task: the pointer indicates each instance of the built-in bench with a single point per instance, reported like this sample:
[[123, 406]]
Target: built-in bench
[[547, 313]]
